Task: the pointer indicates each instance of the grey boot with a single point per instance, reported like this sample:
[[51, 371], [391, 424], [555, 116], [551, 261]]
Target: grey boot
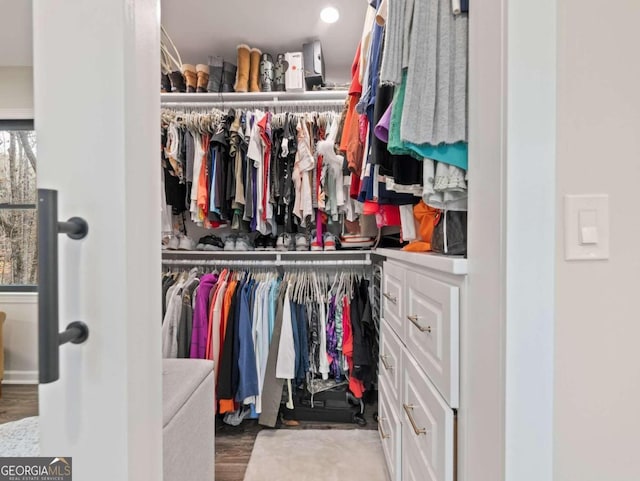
[[228, 76], [215, 74]]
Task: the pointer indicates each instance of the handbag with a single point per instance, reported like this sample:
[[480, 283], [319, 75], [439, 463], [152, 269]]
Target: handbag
[[450, 233]]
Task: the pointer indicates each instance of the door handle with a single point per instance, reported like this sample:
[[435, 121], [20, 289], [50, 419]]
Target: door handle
[[414, 320], [382, 433], [49, 339], [408, 409], [387, 366], [390, 298]]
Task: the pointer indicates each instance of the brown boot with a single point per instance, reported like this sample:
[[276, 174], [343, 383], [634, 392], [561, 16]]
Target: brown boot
[[203, 77], [254, 71], [190, 76], [242, 75]]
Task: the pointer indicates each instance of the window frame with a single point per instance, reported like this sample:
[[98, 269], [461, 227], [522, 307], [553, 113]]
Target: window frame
[[17, 120]]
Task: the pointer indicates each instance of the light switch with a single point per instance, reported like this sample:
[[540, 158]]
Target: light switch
[[588, 235], [586, 227]]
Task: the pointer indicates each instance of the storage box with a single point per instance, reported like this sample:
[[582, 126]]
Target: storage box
[[313, 64], [294, 76]]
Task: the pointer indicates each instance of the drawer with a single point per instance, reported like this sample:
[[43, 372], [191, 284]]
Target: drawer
[[427, 431], [389, 428], [432, 331], [390, 365], [393, 296]]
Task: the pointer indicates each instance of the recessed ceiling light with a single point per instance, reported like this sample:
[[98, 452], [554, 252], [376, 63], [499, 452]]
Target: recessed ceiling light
[[329, 15]]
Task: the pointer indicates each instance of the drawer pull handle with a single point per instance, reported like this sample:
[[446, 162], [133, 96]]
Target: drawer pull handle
[[390, 298], [414, 319], [387, 366], [408, 409], [382, 433]]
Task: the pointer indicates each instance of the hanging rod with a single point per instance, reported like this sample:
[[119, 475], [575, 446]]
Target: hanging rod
[[252, 97], [274, 263], [254, 104]]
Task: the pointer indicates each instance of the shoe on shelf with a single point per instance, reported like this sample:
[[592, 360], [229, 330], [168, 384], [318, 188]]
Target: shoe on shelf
[[302, 242], [270, 244], [185, 244], [354, 241], [215, 74], [202, 77], [261, 242], [285, 242], [190, 77], [329, 242], [316, 245], [228, 76], [210, 243], [173, 243], [230, 243], [243, 243]]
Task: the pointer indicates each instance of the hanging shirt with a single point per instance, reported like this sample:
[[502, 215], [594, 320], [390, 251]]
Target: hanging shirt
[[200, 317], [248, 375], [286, 363]]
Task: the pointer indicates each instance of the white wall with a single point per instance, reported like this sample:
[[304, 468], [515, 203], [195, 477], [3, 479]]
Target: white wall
[[597, 369], [16, 88], [20, 337]]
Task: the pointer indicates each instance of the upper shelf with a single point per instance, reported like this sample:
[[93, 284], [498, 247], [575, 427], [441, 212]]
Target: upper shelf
[[205, 98], [449, 264]]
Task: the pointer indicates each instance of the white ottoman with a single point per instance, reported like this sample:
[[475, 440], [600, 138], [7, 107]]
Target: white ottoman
[[188, 431]]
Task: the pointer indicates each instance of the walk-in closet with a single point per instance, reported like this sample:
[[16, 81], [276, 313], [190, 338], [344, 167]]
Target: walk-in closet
[[296, 240], [314, 163]]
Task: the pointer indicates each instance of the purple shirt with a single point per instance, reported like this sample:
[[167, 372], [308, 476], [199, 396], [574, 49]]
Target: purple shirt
[[382, 129], [201, 318]]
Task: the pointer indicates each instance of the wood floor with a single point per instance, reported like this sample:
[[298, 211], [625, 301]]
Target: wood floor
[[233, 444], [18, 401]]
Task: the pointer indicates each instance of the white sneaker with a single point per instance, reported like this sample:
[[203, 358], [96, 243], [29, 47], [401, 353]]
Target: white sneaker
[[243, 243], [282, 244], [173, 243], [329, 242], [185, 244], [230, 243], [302, 242]]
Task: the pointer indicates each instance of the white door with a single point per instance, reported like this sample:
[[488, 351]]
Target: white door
[[97, 119]]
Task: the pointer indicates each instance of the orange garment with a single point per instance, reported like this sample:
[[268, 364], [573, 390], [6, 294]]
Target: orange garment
[[210, 334], [425, 217], [355, 91], [226, 405]]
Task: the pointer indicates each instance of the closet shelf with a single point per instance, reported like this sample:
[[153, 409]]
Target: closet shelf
[[171, 254], [197, 98], [450, 264]]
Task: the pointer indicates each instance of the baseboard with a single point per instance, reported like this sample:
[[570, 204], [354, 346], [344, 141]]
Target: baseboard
[[20, 377]]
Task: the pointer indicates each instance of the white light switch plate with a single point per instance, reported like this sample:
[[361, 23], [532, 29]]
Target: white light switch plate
[[586, 227]]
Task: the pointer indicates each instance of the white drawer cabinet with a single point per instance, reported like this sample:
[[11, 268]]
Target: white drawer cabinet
[[389, 428], [393, 296], [419, 374], [390, 365], [431, 331], [428, 422]]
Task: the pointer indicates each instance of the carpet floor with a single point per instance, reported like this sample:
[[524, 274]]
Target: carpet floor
[[317, 455], [20, 438]]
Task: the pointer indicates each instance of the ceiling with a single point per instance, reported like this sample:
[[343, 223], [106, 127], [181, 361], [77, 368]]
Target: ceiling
[[201, 28], [15, 33]]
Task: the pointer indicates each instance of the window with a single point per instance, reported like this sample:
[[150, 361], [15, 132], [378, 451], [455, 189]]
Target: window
[[18, 219]]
